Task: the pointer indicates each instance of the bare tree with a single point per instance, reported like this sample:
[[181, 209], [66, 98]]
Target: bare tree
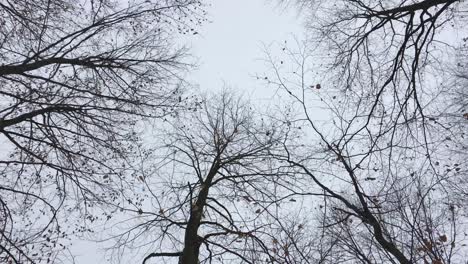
[[387, 49], [214, 188], [77, 79], [394, 89], [385, 134]]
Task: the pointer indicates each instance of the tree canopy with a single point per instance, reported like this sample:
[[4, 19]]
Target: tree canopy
[[360, 160]]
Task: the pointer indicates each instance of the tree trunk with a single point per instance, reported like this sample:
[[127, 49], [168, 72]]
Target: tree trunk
[[192, 241]]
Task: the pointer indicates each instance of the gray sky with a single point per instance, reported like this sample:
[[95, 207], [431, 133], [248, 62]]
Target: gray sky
[[229, 51], [230, 48]]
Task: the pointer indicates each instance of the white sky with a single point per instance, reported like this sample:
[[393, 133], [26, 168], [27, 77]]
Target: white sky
[[229, 51], [230, 48]]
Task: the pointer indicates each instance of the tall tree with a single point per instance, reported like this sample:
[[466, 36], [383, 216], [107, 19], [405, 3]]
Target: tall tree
[[393, 142], [77, 79], [214, 188]]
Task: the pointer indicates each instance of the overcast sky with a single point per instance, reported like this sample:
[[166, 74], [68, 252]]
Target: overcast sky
[[230, 47], [229, 50]]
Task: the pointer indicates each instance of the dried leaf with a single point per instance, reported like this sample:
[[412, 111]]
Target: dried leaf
[[443, 238]]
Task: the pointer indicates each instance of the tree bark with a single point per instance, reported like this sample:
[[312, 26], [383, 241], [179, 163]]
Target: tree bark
[[424, 5], [192, 240]]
